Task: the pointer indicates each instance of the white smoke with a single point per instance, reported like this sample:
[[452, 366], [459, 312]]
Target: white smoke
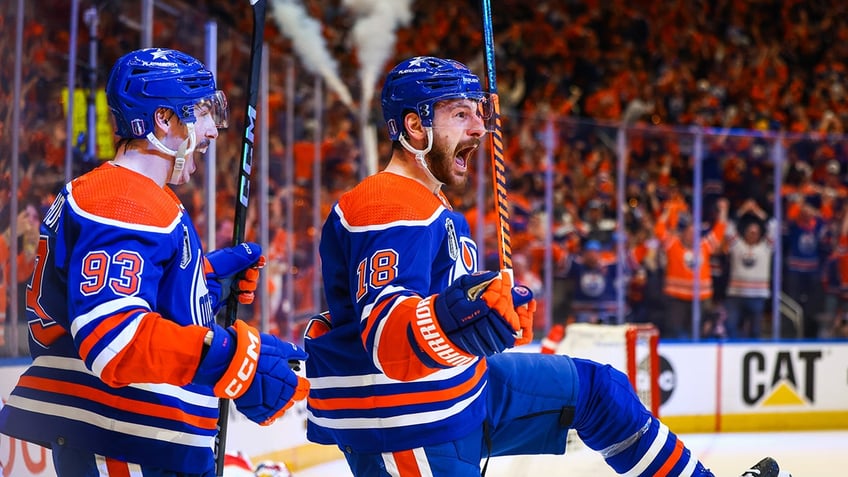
[[374, 37], [309, 44]]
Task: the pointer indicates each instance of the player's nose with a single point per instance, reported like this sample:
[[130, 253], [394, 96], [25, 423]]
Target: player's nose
[[477, 128]]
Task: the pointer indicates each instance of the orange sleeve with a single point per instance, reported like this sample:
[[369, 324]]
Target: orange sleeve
[[793, 210], [399, 352], [660, 229], [161, 351]]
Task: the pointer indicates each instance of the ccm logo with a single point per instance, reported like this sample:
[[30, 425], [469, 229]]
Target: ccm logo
[[238, 384]]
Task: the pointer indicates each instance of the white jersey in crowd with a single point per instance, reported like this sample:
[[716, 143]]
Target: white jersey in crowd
[[750, 265]]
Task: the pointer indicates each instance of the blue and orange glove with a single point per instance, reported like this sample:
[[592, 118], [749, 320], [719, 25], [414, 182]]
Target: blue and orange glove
[[224, 275], [477, 315], [252, 369], [525, 308]]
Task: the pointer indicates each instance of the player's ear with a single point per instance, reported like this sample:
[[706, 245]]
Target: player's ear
[[164, 118], [414, 128]]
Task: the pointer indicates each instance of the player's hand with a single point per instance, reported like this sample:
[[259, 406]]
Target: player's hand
[[252, 369], [477, 312], [223, 268]]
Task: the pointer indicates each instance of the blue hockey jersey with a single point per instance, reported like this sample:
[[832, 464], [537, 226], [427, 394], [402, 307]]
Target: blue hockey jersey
[[388, 243], [119, 273]]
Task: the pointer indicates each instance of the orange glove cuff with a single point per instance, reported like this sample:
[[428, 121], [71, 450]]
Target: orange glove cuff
[[238, 376]]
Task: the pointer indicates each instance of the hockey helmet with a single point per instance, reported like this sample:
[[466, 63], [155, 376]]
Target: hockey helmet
[[145, 80], [417, 84]]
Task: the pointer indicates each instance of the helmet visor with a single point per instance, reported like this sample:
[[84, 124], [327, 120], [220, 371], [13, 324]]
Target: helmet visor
[[464, 108], [215, 107]]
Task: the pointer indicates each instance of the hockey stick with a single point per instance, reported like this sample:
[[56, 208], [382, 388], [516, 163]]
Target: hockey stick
[[242, 197], [496, 148]]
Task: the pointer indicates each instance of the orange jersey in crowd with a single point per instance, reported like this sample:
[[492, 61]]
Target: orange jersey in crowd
[[680, 269]]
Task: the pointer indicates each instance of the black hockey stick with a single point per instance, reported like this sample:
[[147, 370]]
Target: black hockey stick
[[242, 197]]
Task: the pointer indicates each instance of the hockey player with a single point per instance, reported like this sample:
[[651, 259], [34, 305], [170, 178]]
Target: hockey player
[[128, 362], [406, 370]]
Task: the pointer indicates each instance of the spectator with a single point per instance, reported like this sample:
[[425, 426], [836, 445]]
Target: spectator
[[806, 244], [680, 269], [750, 272], [593, 273], [596, 226]]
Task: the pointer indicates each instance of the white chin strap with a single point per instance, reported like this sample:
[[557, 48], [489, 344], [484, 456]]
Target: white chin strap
[[420, 153], [186, 148]]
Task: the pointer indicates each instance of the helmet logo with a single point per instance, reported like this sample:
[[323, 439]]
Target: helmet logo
[[159, 54], [393, 129], [137, 126], [417, 61], [425, 110]]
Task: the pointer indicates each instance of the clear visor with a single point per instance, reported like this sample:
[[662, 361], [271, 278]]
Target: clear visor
[[215, 107], [461, 110]]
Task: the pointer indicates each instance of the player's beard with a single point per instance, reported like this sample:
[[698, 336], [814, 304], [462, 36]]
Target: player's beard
[[443, 163]]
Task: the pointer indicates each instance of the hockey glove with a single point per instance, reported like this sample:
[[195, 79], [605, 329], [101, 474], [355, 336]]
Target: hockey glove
[[222, 267], [476, 314], [525, 307], [252, 369]]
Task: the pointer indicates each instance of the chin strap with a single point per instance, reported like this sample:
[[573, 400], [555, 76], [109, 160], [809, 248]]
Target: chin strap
[[179, 161], [187, 147], [421, 153]]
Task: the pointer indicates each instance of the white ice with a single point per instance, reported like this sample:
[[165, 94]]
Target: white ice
[[804, 454]]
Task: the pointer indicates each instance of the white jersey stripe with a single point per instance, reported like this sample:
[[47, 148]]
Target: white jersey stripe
[[100, 461], [134, 470], [107, 423], [397, 223], [394, 421], [423, 463], [106, 309], [391, 464], [689, 470], [651, 454], [115, 346], [76, 365], [364, 380]]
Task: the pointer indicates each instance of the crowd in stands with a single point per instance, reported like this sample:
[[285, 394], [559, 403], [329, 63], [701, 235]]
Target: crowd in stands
[[743, 72]]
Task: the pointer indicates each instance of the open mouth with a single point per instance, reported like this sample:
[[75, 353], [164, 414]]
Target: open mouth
[[463, 155], [202, 147]]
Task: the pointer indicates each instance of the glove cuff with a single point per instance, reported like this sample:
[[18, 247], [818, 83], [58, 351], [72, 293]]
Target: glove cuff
[[433, 340], [239, 374]]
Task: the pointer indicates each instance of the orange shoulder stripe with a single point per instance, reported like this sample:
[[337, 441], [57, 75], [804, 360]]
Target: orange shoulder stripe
[[117, 193], [385, 197]]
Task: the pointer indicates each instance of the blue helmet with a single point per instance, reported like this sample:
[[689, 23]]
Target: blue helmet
[[145, 80], [416, 84]]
